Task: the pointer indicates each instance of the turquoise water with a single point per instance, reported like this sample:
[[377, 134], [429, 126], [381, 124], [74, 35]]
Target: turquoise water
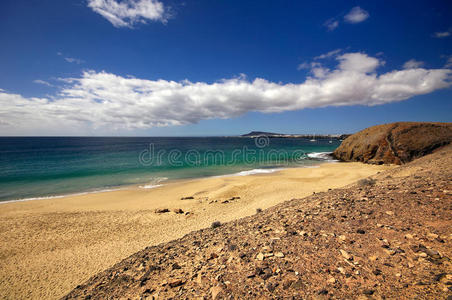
[[33, 167]]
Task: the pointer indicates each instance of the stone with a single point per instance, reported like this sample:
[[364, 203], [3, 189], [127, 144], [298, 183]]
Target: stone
[[360, 231], [215, 292], [332, 280], [322, 292], [433, 253], [161, 210], [279, 254], [345, 254], [432, 236], [178, 211], [390, 251], [377, 272], [175, 283], [389, 213], [368, 292], [342, 237], [260, 256]]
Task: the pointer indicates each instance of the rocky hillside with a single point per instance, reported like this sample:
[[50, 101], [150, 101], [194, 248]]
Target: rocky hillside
[[395, 143], [387, 237]]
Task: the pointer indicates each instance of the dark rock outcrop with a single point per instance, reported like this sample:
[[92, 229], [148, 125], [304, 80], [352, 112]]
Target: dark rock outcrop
[[395, 143]]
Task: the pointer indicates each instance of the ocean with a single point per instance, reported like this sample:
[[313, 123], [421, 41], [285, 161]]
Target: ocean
[[40, 167]]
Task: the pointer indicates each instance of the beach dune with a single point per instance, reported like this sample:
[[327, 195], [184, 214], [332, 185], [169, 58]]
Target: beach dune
[[48, 247]]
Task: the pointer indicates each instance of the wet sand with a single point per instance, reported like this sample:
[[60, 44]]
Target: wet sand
[[47, 247]]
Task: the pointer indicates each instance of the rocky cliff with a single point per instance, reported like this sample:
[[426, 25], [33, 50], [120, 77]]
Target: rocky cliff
[[395, 143]]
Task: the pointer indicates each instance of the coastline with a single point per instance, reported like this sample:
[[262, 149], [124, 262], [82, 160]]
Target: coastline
[[321, 157], [51, 245]]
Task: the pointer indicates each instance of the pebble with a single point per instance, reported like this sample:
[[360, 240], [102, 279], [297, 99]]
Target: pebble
[[390, 251], [342, 237], [215, 292], [279, 254], [376, 272], [175, 283], [345, 254], [432, 236], [178, 211]]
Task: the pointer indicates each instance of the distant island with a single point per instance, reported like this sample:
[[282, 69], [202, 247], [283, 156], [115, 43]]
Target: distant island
[[254, 134]]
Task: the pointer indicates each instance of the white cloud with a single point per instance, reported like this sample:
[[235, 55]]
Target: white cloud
[[71, 59], [74, 60], [43, 82], [127, 13], [307, 65], [104, 102], [356, 15], [358, 62], [331, 24], [328, 55], [413, 64], [440, 35], [304, 65]]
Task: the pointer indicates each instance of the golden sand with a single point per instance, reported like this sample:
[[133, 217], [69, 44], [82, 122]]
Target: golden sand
[[47, 247]]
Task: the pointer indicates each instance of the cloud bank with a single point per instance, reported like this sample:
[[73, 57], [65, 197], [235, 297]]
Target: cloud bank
[[105, 102], [127, 13]]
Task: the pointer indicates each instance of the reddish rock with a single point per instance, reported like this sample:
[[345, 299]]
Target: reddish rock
[[395, 143]]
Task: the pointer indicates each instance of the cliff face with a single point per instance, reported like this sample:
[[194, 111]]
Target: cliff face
[[395, 143]]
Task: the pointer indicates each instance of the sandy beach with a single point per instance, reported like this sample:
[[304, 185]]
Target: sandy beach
[[48, 247]]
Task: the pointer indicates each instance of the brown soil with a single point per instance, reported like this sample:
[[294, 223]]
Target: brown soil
[[394, 143], [386, 237]]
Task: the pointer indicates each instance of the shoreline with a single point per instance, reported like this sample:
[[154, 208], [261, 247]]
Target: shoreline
[[50, 246], [166, 180]]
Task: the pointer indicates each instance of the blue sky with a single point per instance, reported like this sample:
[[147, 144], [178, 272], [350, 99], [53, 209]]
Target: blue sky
[[94, 67]]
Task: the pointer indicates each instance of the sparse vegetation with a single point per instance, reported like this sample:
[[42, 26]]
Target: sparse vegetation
[[215, 224], [367, 182]]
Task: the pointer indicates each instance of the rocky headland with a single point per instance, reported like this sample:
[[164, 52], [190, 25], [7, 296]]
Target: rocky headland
[[395, 143]]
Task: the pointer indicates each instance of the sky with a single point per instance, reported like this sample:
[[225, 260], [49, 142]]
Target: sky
[[202, 67]]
